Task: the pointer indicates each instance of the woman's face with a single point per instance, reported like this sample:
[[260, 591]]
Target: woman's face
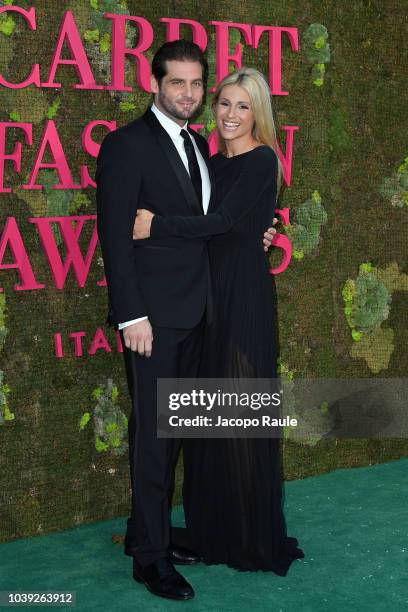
[[234, 115]]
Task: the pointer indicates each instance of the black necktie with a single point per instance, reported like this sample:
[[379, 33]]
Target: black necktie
[[193, 166]]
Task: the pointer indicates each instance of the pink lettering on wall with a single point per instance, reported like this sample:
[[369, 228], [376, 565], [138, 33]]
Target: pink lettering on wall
[[99, 342], [51, 139], [15, 156], [222, 55], [68, 34], [58, 345], [69, 51], [70, 229], [275, 53], [173, 30], [73, 343], [92, 148], [119, 51], [282, 242], [77, 338], [11, 238], [34, 76], [286, 158]]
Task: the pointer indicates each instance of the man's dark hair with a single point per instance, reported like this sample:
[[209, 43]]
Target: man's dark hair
[[180, 50]]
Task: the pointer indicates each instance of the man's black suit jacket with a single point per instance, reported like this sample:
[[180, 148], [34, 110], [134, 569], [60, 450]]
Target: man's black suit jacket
[[166, 279]]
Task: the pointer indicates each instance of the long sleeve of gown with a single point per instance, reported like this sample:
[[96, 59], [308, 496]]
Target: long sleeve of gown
[[259, 172]]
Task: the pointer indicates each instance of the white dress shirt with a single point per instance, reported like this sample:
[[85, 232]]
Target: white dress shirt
[[173, 129]]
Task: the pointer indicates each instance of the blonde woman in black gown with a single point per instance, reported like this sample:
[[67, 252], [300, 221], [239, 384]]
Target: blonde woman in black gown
[[232, 489]]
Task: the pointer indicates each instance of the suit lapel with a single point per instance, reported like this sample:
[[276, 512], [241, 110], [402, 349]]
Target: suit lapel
[[174, 160]]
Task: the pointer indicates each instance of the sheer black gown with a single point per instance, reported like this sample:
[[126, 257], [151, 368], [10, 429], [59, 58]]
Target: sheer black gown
[[232, 490]]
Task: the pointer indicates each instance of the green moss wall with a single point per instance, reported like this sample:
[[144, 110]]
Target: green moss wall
[[342, 301]]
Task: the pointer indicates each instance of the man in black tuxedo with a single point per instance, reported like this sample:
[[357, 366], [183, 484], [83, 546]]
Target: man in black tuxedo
[[159, 290]]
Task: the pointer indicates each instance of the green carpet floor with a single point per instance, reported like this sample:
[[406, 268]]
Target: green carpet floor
[[352, 525]]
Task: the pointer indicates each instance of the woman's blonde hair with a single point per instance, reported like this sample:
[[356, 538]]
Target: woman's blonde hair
[[257, 89]]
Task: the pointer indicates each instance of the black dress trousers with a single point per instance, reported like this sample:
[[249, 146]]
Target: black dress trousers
[[175, 354]]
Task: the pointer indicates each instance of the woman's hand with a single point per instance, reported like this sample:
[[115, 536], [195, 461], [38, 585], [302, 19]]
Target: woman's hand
[[143, 221], [269, 235]]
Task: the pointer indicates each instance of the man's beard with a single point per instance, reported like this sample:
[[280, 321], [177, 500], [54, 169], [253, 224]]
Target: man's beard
[[172, 109]]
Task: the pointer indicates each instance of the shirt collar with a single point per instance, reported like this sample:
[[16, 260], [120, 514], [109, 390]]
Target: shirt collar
[[171, 127]]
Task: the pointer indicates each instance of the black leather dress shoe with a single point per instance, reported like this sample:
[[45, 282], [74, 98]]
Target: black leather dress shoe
[[162, 579], [182, 556]]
